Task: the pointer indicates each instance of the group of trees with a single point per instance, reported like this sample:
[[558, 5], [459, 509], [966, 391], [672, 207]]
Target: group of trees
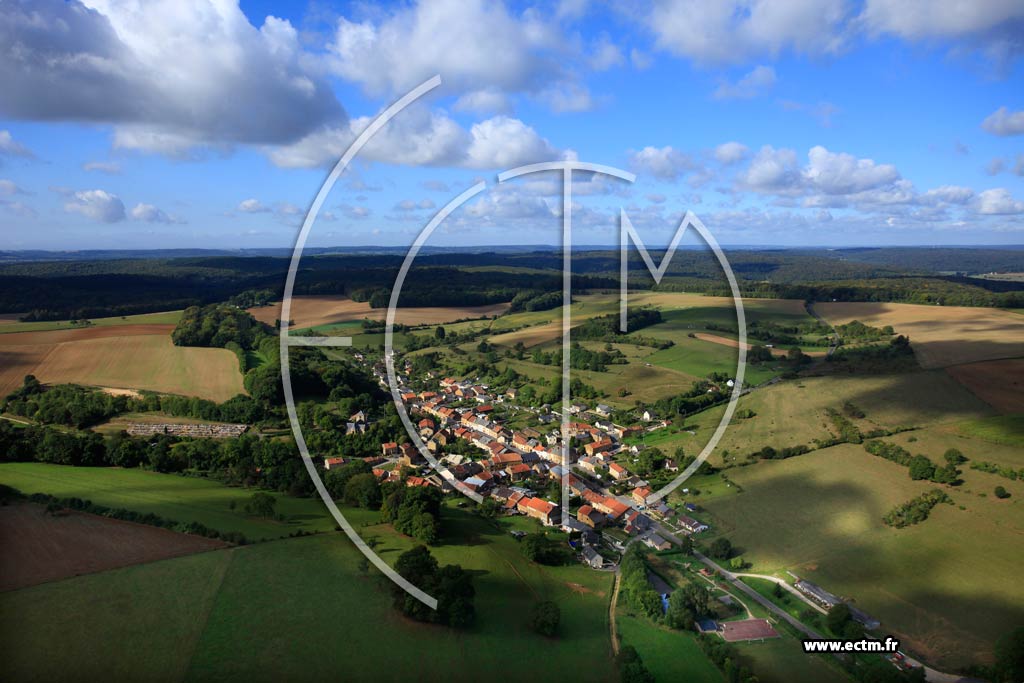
[[724, 656], [537, 547], [413, 510], [631, 667], [635, 587], [894, 356], [920, 466], [532, 300], [915, 510], [451, 585], [581, 358], [1004, 471]]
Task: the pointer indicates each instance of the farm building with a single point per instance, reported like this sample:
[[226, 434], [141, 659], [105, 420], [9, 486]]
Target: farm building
[[817, 593]]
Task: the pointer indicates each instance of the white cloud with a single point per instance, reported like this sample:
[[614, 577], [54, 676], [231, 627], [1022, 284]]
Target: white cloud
[[733, 31], [435, 186], [473, 43], [758, 81], [169, 75], [407, 205], [656, 198], [252, 206], [923, 19], [665, 163], [640, 60], [731, 152], [504, 142], [110, 167], [606, 55], [10, 147], [1003, 122], [772, 170], [488, 100], [950, 194], [98, 205], [839, 173], [998, 202], [151, 214]]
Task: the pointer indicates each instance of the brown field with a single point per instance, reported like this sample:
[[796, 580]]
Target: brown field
[[39, 547], [313, 311], [732, 343], [128, 357], [941, 335], [999, 383], [9, 318]]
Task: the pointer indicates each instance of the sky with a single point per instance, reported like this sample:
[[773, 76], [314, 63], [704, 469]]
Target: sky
[[213, 124]]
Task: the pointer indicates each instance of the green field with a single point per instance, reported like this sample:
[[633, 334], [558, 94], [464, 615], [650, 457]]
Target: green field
[[670, 655], [782, 660], [948, 587], [183, 499], [166, 318], [301, 609], [1002, 429]]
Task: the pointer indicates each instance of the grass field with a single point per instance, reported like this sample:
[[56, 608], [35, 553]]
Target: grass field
[[300, 608], [947, 586], [670, 655], [941, 335], [183, 499], [315, 311], [1006, 429], [782, 660], [8, 326]]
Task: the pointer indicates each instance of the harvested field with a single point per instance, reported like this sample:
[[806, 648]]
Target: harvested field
[[941, 335], [999, 383], [733, 343], [127, 357], [748, 629], [313, 311], [39, 547]]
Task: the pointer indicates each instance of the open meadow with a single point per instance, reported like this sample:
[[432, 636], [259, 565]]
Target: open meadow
[[278, 610], [941, 335], [314, 311]]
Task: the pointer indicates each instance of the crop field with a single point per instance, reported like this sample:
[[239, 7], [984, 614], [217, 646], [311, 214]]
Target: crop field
[[314, 311], [183, 499], [10, 324], [285, 603], [120, 422], [819, 515], [40, 547], [941, 335], [1000, 383]]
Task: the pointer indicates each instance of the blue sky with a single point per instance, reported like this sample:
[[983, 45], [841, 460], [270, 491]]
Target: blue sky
[[796, 122]]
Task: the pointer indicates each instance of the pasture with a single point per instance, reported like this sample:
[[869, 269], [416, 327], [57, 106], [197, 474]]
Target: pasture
[[181, 498], [274, 611], [40, 547], [941, 335], [10, 324], [314, 311], [669, 655], [819, 515]]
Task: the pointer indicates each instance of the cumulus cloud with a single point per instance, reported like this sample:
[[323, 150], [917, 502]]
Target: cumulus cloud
[[9, 146], [483, 45], [998, 202], [435, 186], [605, 55], [504, 142], [665, 163], [169, 75], [98, 205], [151, 214], [488, 100], [840, 173], [926, 19], [950, 194], [110, 167], [758, 81], [731, 152], [8, 188], [771, 170], [407, 205], [1003, 122]]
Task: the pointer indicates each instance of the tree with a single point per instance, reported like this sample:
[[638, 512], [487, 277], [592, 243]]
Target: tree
[[1001, 492], [451, 585], [545, 617], [721, 549], [439, 332], [838, 617], [363, 490], [686, 546], [686, 605], [921, 468], [954, 457], [1009, 652], [631, 667], [261, 504]]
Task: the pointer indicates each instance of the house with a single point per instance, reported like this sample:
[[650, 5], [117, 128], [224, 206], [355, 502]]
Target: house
[[604, 410], [592, 558], [648, 416], [595, 519], [538, 508], [589, 464], [577, 408], [657, 542], [358, 417], [512, 393], [519, 471], [640, 494], [333, 462], [618, 471], [388, 449], [598, 446], [692, 525], [426, 423]]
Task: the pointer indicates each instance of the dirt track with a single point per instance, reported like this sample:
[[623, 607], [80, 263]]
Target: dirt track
[[39, 547]]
